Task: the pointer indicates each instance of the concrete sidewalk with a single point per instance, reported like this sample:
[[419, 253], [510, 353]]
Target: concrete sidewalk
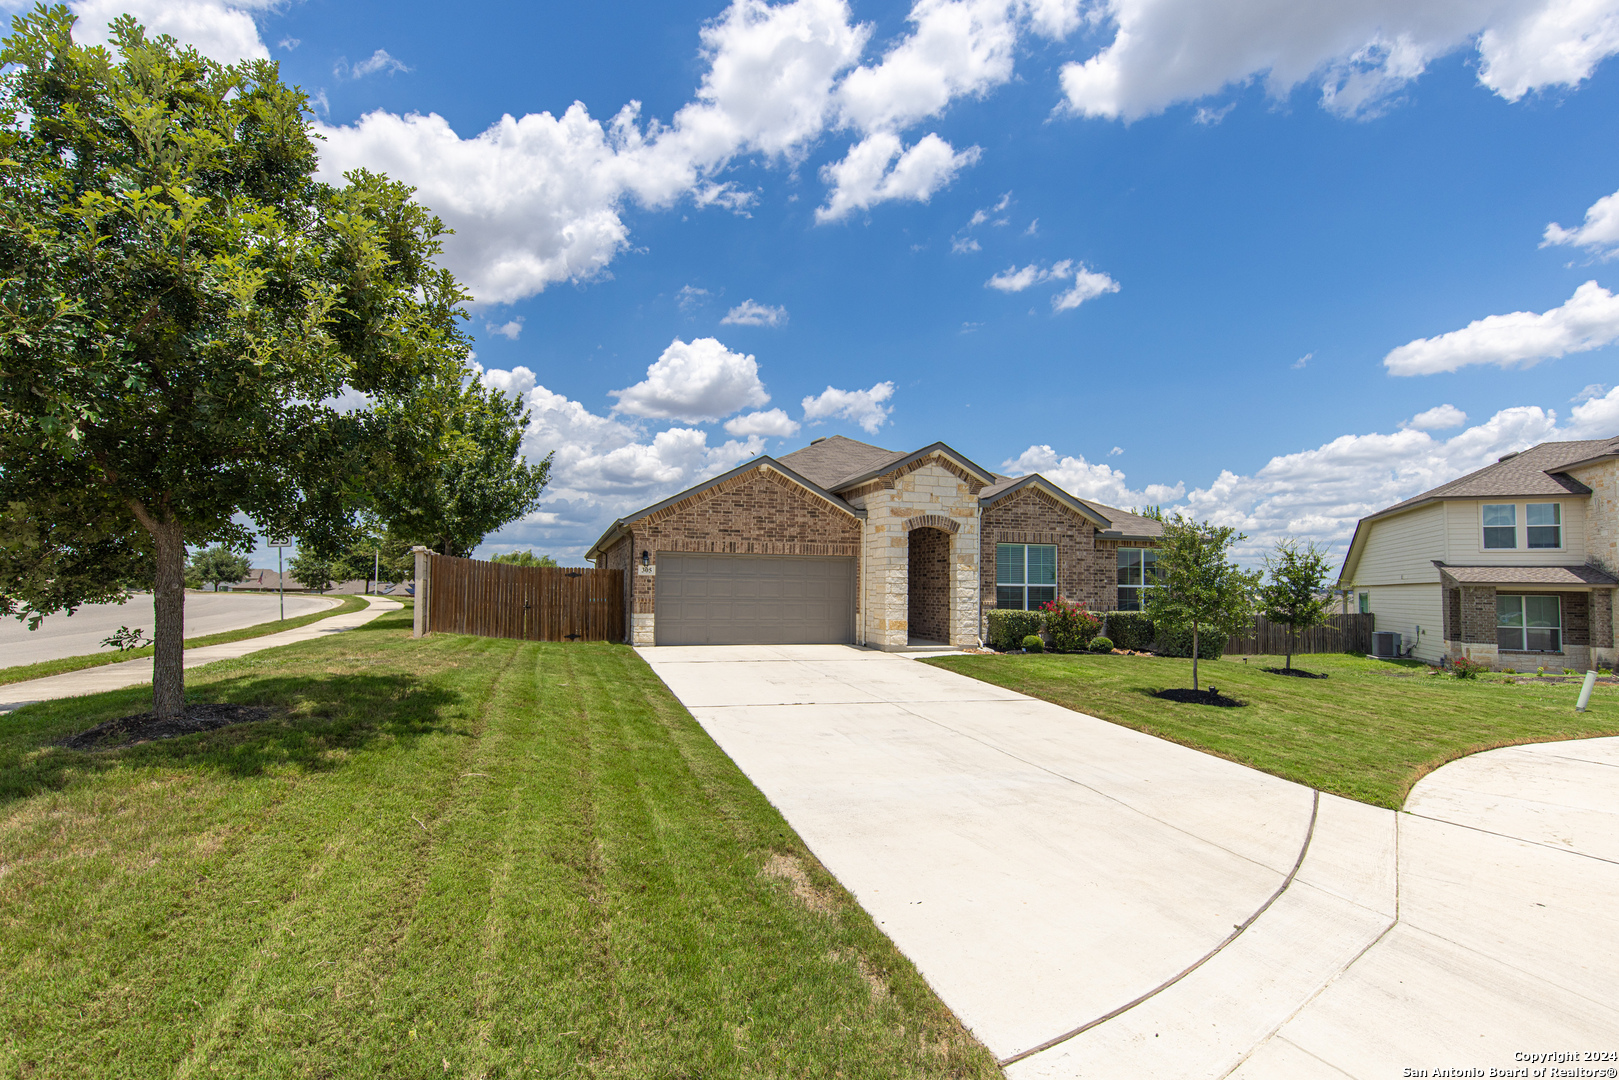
[[1050, 872], [135, 672]]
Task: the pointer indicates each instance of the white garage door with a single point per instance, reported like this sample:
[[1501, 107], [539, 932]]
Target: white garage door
[[753, 600]]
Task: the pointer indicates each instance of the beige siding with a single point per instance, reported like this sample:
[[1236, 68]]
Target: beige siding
[[1402, 548], [1405, 609], [1465, 535]]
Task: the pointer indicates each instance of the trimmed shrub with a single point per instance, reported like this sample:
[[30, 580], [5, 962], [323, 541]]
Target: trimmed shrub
[[1034, 643], [1070, 625], [1129, 629], [1210, 643], [1008, 627], [1101, 644]]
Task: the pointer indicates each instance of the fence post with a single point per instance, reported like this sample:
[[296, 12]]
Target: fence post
[[419, 622]]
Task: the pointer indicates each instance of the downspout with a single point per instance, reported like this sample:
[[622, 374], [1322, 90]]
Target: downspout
[[978, 523]]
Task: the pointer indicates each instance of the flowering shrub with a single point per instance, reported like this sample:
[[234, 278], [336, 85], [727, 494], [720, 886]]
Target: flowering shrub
[[1463, 668], [1070, 624]]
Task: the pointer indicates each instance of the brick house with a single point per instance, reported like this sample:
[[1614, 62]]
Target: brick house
[[1514, 565], [845, 542]]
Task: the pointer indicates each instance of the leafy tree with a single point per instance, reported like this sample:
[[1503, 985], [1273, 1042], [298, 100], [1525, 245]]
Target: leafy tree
[[524, 558], [478, 480], [1203, 590], [180, 300], [311, 570], [213, 565], [1295, 595]]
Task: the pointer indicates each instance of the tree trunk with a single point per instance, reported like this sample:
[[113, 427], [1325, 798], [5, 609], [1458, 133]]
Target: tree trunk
[[1194, 658], [169, 605]]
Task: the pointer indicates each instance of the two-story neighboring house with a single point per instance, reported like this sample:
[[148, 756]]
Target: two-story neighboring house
[[1514, 565]]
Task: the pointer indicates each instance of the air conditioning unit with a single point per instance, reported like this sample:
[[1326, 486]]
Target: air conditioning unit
[[1386, 644]]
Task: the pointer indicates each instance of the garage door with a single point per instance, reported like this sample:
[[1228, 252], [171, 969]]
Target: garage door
[[753, 600]]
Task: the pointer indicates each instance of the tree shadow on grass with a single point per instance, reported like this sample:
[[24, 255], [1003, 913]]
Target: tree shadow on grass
[[315, 722]]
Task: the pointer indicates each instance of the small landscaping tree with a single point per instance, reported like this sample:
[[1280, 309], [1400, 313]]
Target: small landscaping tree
[[1295, 595], [216, 565], [1204, 590]]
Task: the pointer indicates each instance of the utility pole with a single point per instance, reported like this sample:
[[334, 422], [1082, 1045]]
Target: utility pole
[[376, 566]]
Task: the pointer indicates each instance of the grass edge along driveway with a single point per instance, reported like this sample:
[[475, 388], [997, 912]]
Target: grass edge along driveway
[[46, 668], [448, 856], [1369, 731]]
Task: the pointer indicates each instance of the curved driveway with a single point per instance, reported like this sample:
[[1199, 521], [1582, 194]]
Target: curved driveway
[[1092, 901], [81, 633]]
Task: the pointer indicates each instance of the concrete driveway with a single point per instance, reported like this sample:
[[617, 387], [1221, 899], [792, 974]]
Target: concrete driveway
[[1092, 901]]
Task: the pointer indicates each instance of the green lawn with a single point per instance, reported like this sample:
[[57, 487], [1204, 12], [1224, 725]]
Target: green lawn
[[25, 672], [448, 857], [1369, 731]]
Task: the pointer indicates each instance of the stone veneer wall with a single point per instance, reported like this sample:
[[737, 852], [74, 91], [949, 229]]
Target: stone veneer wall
[[1601, 514], [944, 494], [754, 513], [928, 600]]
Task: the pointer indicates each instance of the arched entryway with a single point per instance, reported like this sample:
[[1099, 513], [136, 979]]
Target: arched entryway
[[928, 586]]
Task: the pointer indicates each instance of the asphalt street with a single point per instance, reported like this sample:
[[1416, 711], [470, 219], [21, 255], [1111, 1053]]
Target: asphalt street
[[82, 632]]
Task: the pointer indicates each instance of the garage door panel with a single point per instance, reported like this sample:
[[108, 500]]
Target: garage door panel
[[753, 599]]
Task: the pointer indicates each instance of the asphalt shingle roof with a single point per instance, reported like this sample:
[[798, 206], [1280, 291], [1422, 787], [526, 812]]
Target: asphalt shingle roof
[[1533, 473], [1527, 575], [830, 461]]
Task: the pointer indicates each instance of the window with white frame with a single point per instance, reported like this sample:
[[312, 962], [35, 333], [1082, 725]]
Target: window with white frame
[[1025, 575], [1543, 525], [1138, 572], [1529, 623], [1500, 526]]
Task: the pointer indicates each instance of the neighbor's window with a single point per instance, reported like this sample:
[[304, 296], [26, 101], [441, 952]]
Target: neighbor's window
[[1138, 571], [1544, 523], [1529, 623], [1500, 525], [1025, 575]]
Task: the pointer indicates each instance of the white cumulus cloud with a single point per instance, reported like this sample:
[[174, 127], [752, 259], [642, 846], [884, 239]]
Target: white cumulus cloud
[[1086, 284], [695, 381], [863, 407], [1599, 233], [1359, 53], [1438, 418], [1588, 320], [751, 313], [774, 424], [510, 330], [378, 61], [870, 174], [1322, 492], [221, 30]]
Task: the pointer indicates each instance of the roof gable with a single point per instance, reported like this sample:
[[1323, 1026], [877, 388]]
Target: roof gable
[[830, 460]]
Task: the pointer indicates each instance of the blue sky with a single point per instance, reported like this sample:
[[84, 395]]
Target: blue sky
[[1259, 261]]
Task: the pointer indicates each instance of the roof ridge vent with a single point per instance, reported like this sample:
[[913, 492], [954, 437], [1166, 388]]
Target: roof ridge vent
[[822, 439], [1508, 457]]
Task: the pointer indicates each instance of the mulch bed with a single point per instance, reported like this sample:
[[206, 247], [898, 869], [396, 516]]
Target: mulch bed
[[146, 727], [1297, 673], [1210, 696]]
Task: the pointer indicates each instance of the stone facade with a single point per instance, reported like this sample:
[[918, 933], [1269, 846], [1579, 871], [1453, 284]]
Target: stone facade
[[754, 513], [928, 599], [929, 493], [1601, 514]]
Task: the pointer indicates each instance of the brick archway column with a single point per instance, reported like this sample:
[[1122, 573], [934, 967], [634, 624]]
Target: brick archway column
[[933, 521]]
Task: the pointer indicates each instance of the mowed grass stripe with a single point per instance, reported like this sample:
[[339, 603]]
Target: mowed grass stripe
[[586, 898]]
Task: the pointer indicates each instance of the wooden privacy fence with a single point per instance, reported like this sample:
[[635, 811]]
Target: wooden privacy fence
[[533, 603], [1342, 633]]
